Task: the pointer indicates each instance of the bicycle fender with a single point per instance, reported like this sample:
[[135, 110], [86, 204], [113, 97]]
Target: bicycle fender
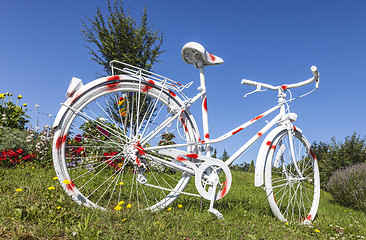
[[262, 154], [76, 90]]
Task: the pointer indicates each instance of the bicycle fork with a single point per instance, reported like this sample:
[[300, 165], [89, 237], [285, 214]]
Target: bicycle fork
[[287, 122]]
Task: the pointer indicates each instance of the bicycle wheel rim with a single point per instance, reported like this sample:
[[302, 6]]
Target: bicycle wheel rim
[[292, 197], [109, 194]]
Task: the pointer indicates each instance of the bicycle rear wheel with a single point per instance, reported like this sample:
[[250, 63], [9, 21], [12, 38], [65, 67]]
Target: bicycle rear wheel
[[99, 145], [293, 195]]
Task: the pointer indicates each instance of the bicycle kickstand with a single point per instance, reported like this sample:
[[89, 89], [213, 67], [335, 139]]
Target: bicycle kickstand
[[213, 198]]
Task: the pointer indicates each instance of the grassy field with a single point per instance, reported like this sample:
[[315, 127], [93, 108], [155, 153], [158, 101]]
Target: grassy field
[[31, 209]]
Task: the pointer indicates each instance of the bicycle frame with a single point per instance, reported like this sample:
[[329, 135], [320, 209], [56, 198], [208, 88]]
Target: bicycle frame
[[280, 117]]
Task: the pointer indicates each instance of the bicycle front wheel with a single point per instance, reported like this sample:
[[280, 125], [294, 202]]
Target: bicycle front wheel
[[99, 148], [292, 178]]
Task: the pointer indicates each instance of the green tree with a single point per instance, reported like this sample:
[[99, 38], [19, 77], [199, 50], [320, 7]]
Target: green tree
[[117, 36], [251, 167], [214, 155], [225, 156]]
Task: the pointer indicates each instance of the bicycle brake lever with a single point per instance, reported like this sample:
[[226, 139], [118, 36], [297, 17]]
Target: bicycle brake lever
[[257, 90]]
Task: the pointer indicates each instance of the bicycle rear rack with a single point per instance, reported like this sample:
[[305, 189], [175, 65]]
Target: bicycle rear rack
[[124, 68]]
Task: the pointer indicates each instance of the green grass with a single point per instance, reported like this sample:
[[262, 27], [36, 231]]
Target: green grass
[[33, 214]]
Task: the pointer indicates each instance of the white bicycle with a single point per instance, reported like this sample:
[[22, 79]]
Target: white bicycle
[[129, 140]]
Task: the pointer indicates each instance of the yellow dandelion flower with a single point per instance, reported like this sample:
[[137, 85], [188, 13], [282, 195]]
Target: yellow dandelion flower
[[286, 223], [124, 219], [24, 104], [180, 205], [58, 207], [20, 96], [121, 183], [32, 167], [317, 230], [120, 203], [55, 178], [345, 210], [83, 180], [18, 190], [129, 206], [51, 188], [117, 208], [169, 208], [66, 181]]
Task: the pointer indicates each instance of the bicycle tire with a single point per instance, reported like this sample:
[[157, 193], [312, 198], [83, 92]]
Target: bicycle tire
[[98, 149], [292, 197]]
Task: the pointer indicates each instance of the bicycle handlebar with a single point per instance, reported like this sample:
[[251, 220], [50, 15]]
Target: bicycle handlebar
[[314, 70]]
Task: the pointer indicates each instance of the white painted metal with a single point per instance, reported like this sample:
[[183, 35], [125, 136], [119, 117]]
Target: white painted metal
[[204, 168]]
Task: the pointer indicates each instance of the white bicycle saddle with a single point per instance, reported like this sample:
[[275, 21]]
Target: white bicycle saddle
[[193, 52]]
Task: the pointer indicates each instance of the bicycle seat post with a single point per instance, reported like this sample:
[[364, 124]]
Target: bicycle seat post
[[194, 53], [202, 89]]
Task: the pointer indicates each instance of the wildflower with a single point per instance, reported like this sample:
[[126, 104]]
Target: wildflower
[[24, 104], [2, 96], [286, 223], [169, 209], [32, 167], [317, 230], [58, 207], [120, 203], [51, 188], [180, 205], [55, 178], [18, 190], [129, 206], [118, 207], [121, 183], [124, 219], [20, 96], [66, 181]]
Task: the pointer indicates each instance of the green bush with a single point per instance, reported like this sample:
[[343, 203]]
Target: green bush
[[337, 155], [12, 115], [348, 186], [18, 146]]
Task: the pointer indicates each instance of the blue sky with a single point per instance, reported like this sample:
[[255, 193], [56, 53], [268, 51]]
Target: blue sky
[[42, 48]]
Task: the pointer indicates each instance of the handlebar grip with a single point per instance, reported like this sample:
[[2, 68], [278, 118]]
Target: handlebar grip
[[249, 82], [315, 71]]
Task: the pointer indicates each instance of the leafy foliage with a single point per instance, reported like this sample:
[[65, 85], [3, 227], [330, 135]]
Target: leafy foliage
[[12, 115], [251, 167], [225, 156], [117, 37], [348, 186], [20, 146], [336, 155]]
